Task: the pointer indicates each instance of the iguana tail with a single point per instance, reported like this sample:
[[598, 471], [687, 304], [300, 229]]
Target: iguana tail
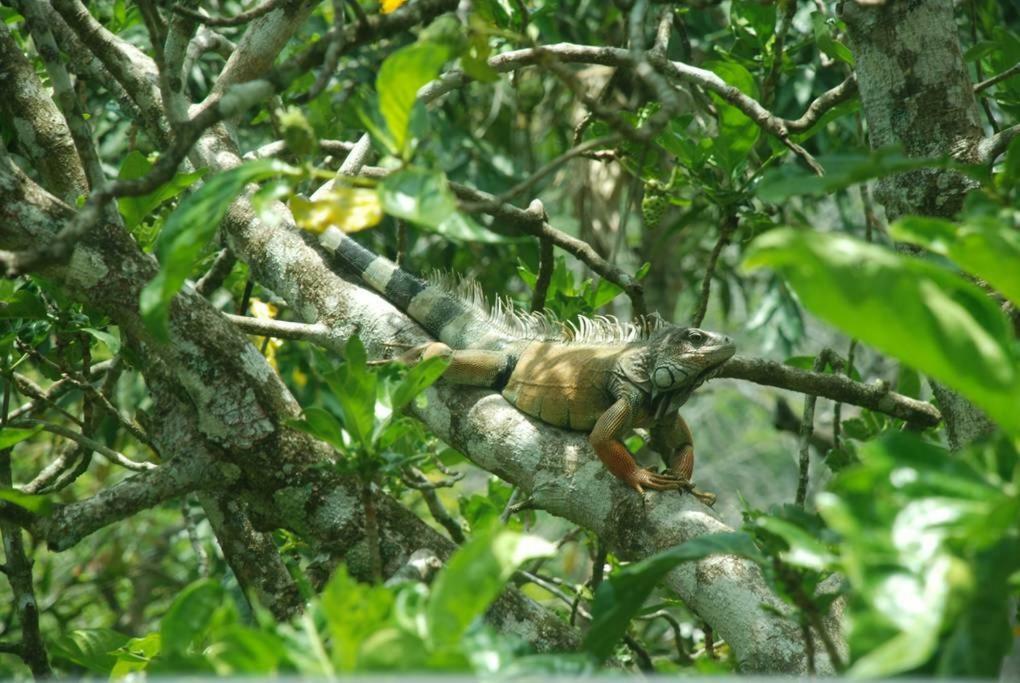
[[456, 322]]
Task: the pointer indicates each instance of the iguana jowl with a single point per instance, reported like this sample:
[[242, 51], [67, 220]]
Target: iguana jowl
[[600, 376]]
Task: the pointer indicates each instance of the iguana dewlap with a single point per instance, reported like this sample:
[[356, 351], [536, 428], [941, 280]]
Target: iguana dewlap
[[599, 376]]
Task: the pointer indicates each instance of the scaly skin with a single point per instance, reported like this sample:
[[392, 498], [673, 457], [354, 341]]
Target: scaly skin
[[603, 388]]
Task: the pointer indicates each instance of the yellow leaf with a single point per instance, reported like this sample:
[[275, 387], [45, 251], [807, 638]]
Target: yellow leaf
[[391, 5], [350, 209]]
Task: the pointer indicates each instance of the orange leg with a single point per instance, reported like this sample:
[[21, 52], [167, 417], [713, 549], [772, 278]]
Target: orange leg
[[618, 460]]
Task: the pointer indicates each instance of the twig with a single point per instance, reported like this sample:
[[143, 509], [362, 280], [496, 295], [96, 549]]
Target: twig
[[768, 88], [546, 263], [726, 231], [998, 78], [336, 46], [807, 426], [18, 569], [529, 182], [236, 20], [108, 453], [439, 512]]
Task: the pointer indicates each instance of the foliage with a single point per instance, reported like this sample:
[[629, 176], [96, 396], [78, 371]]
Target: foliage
[[687, 195]]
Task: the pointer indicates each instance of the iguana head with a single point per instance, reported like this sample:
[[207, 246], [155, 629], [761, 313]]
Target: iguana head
[[679, 357]]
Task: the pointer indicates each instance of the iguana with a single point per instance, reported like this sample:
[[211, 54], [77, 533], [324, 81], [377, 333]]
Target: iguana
[[598, 376]]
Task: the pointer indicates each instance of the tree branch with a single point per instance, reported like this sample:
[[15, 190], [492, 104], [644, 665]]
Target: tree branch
[[876, 396]]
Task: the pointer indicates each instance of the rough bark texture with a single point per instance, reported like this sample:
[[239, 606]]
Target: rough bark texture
[[916, 93]]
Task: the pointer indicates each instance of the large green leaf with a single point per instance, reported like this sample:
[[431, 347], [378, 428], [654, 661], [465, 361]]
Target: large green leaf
[[354, 387], [187, 233], [929, 317], [37, 504], [354, 611], [92, 648], [320, 424], [10, 436], [737, 132], [419, 378], [472, 579], [928, 543], [190, 616], [841, 171], [424, 198], [621, 596], [400, 77], [983, 246]]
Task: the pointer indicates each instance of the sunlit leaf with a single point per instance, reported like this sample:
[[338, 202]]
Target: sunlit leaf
[[348, 208], [419, 378], [424, 198], [137, 209], [983, 246], [400, 77], [929, 317], [482, 566]]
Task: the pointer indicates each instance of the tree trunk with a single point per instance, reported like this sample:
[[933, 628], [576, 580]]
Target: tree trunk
[[916, 94]]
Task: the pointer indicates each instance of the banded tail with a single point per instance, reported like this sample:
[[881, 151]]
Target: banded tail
[[456, 322]]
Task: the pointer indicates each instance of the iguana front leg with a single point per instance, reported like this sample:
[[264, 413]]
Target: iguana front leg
[[605, 438], [470, 367], [673, 439]]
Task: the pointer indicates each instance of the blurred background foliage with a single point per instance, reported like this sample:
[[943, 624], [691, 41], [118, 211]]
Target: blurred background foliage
[[922, 544]]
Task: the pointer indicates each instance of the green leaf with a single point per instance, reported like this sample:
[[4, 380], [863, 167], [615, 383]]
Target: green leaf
[[9, 436], [354, 387], [419, 378], [621, 596], [400, 77], [737, 132], [92, 648], [320, 424], [36, 504], [137, 209], [187, 232], [983, 246], [135, 655], [827, 43], [472, 579], [22, 304], [354, 611], [929, 317], [804, 550], [424, 198], [112, 341], [190, 616], [841, 171], [238, 650]]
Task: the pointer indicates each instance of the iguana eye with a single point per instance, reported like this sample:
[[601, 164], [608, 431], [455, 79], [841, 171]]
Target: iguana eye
[[696, 337]]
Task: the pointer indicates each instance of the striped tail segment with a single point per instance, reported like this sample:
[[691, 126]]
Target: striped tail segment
[[456, 323]]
